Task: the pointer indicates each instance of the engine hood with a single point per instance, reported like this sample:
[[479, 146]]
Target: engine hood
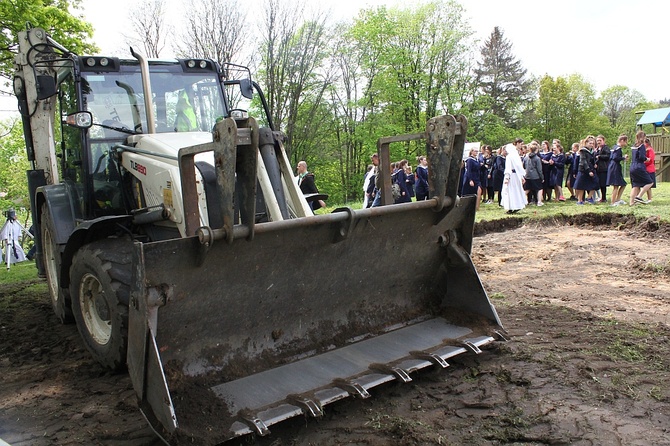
[[169, 143]]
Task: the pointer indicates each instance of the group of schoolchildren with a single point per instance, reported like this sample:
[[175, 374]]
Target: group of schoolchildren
[[535, 171], [406, 183]]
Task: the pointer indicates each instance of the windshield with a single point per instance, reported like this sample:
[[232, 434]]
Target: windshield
[[182, 101]]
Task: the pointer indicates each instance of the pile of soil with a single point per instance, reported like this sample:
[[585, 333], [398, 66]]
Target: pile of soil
[[586, 304]]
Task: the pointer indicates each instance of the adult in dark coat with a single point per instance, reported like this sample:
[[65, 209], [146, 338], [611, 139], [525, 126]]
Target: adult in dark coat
[[308, 186]]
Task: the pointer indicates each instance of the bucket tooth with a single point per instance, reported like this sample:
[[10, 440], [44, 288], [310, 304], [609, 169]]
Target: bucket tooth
[[399, 373], [501, 336], [307, 405], [432, 357], [353, 388], [472, 347], [256, 424]]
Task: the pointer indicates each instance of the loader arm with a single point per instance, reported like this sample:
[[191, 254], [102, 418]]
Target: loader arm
[[230, 332]]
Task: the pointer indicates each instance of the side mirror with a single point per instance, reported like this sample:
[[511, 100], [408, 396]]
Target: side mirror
[[246, 88], [80, 120], [46, 86]]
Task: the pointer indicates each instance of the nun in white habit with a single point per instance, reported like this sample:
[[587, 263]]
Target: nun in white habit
[[513, 195], [9, 236]]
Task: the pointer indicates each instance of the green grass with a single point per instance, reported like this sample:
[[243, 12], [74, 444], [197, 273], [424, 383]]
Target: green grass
[[409, 430], [656, 267], [18, 272], [630, 342], [660, 206], [488, 212]]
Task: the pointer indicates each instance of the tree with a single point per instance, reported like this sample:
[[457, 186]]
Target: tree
[[395, 69], [214, 30], [567, 109], [502, 78], [419, 58], [619, 106], [295, 78], [429, 61], [13, 166], [367, 50], [490, 129], [53, 15], [147, 19], [348, 113]]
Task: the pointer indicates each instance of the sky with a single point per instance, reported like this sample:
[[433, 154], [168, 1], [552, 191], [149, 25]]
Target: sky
[[608, 42]]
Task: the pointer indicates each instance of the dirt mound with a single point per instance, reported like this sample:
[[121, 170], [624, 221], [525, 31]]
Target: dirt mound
[[641, 227], [502, 225]]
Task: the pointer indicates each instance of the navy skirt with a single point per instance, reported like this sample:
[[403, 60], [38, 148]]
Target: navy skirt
[[585, 181], [535, 184], [639, 177], [556, 178], [470, 190], [615, 175]]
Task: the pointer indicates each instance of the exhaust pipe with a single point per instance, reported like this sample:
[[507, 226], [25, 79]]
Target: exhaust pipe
[[146, 86]]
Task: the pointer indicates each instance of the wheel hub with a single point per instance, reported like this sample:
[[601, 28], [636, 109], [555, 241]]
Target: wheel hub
[[95, 311]]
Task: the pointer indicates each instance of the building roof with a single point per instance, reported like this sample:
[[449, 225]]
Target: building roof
[[658, 117]]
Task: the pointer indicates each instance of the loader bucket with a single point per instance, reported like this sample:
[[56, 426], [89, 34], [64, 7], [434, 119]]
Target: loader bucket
[[229, 338]]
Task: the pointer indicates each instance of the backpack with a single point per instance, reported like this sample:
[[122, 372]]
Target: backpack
[[395, 187]]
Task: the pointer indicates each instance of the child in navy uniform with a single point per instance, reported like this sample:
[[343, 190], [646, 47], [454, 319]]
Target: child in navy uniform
[[615, 172], [557, 163], [639, 177], [586, 180], [472, 177]]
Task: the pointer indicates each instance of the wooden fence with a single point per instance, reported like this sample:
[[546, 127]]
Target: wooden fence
[[661, 144]]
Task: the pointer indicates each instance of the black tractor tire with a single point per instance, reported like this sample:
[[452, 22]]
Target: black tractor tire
[[100, 288], [60, 297]]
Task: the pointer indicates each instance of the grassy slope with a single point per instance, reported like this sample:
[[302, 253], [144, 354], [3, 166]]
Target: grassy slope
[[660, 206], [487, 212]]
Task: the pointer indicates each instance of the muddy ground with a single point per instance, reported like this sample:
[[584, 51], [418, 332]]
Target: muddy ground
[[586, 304]]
